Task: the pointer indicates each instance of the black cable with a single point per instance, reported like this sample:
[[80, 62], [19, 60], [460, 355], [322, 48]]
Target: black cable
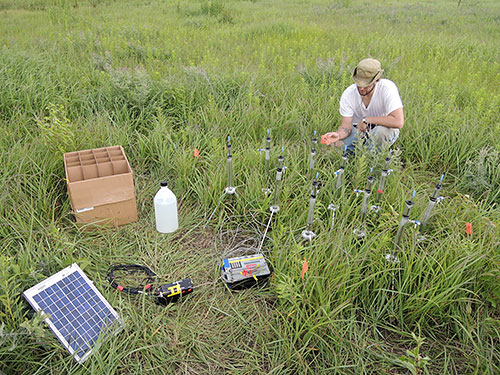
[[164, 294], [132, 269]]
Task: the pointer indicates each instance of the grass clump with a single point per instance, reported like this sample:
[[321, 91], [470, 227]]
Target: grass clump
[[164, 78], [482, 175]]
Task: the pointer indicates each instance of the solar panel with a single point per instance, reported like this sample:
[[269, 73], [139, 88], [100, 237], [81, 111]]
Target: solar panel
[[75, 311]]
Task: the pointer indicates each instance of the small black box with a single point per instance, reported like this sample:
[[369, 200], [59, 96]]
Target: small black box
[[172, 292]]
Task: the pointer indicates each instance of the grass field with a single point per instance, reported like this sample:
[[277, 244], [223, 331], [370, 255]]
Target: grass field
[[162, 78]]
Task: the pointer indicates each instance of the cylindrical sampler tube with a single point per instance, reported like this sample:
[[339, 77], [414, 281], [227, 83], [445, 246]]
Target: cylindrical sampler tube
[[280, 161], [310, 214], [311, 162], [387, 161], [367, 193], [437, 190], [340, 174], [364, 207], [229, 170], [369, 183], [334, 208], [427, 213], [381, 184], [281, 158], [277, 189], [314, 143], [312, 203], [229, 164], [433, 199], [384, 174], [340, 178], [313, 155], [267, 153], [344, 159], [404, 220]]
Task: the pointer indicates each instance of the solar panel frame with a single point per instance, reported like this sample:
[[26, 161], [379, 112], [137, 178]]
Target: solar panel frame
[[75, 311]]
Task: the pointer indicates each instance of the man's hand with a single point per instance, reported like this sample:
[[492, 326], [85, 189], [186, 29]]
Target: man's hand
[[329, 138], [362, 126]]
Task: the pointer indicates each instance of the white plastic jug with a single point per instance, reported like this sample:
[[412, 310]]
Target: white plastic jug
[[166, 210]]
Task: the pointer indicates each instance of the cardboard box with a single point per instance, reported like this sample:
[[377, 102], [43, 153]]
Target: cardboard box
[[101, 186]]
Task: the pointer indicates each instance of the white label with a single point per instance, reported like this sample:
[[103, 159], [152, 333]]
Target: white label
[[84, 209]]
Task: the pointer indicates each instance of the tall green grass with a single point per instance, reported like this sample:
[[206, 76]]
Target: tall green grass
[[163, 78]]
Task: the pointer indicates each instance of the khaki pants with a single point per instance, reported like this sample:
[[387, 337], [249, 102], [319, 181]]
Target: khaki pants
[[379, 137]]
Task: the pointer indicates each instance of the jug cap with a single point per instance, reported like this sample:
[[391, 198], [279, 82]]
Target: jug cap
[[163, 183]]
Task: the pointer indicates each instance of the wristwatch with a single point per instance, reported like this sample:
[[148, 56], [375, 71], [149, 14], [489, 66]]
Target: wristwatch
[[364, 121]]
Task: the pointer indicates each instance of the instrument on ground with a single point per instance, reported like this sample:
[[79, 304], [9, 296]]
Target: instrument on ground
[[164, 294], [244, 272]]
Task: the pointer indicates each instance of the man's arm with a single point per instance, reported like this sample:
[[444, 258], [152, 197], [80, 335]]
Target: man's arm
[[343, 132], [345, 128], [395, 119]]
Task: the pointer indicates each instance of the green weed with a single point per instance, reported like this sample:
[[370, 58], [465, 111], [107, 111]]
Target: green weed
[[163, 78]]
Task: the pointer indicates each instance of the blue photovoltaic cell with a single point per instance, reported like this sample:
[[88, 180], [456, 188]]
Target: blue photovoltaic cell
[[77, 311]]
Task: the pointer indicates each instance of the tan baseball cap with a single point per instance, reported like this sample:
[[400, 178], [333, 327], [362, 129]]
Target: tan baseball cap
[[367, 72]]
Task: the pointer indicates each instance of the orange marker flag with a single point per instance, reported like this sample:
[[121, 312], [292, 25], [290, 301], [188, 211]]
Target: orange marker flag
[[305, 267], [196, 153], [468, 228]]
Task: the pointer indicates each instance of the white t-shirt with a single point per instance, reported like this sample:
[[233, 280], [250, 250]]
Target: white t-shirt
[[385, 99]]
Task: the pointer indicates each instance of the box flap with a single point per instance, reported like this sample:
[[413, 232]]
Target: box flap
[[110, 214], [91, 193]]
